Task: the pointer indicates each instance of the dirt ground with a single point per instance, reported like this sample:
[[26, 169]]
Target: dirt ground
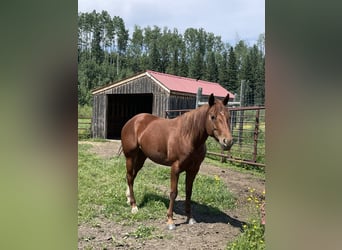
[[211, 232]]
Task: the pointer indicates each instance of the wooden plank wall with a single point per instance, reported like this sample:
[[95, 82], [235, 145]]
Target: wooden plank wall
[[142, 85], [99, 116], [181, 101]]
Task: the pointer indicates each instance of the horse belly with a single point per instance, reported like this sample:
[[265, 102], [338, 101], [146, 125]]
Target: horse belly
[[155, 145], [157, 153]]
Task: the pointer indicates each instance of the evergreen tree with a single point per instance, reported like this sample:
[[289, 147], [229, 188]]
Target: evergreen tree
[[196, 66], [154, 58], [106, 53], [212, 69], [232, 84], [223, 77], [183, 67]]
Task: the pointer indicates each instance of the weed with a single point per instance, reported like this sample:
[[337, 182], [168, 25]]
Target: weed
[[253, 232], [252, 238], [143, 232]]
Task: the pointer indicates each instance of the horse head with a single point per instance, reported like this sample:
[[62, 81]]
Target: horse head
[[218, 122]]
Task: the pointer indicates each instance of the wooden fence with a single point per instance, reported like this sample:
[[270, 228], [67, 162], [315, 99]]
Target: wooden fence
[[84, 127]]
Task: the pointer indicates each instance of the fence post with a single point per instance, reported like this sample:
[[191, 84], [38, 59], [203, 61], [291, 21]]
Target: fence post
[[240, 135], [198, 97], [256, 135]]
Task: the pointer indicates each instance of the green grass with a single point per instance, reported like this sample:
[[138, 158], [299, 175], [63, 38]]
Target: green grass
[[102, 186], [252, 238], [84, 111], [244, 142], [84, 128], [242, 168], [213, 146], [145, 232]]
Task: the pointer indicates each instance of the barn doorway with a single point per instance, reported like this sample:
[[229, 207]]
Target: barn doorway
[[122, 107]]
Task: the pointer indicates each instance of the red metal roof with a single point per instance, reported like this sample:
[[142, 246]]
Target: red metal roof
[[189, 85]]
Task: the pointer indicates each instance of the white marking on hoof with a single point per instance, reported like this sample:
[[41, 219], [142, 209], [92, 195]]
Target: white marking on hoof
[[134, 210], [192, 221], [171, 226]]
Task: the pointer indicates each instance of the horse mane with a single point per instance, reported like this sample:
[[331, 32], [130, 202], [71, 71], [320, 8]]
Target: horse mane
[[193, 122]]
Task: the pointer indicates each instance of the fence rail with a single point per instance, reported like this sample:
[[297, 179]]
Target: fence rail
[[84, 127], [248, 129], [247, 126]]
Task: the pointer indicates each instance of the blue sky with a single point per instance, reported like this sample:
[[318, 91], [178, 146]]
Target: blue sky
[[231, 19]]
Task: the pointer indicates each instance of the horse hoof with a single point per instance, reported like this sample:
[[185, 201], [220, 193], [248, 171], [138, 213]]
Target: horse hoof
[[134, 210], [171, 226], [192, 221]]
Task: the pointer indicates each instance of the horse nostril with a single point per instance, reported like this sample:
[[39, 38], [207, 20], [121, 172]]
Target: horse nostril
[[228, 142], [225, 141]]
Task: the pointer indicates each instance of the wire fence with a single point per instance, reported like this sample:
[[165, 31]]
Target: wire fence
[[247, 126], [248, 129]]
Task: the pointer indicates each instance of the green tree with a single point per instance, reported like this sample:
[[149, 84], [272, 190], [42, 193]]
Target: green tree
[[232, 84], [96, 50], [135, 50], [212, 69], [241, 51], [106, 53], [154, 57], [223, 77], [183, 67]]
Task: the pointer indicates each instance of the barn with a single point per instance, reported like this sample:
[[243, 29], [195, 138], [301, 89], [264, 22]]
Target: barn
[[148, 92]]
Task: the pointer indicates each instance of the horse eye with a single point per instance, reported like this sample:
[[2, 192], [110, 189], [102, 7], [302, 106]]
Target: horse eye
[[213, 117]]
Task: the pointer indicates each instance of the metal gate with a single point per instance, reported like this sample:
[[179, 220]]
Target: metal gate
[[248, 129]]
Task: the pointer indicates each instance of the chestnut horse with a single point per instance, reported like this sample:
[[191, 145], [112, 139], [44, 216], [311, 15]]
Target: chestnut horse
[[178, 142]]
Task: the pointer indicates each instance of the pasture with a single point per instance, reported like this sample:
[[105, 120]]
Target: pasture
[[105, 221]]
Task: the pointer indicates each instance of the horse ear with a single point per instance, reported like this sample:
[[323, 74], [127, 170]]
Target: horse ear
[[211, 100], [226, 99]]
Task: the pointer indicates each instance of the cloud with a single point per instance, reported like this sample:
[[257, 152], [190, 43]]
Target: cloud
[[224, 18]]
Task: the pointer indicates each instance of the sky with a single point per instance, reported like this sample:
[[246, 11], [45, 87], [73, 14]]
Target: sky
[[233, 20]]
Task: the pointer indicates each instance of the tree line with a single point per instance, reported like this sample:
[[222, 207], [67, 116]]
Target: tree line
[[107, 53]]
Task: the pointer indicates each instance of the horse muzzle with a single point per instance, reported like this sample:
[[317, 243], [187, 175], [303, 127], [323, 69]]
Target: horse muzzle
[[226, 144]]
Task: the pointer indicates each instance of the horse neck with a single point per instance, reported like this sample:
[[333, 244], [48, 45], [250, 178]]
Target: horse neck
[[194, 125]]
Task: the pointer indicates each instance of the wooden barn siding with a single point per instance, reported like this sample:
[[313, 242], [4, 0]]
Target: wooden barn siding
[[99, 116], [145, 85], [138, 86], [181, 101]]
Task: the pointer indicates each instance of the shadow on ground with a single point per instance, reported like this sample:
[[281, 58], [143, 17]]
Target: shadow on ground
[[201, 213]]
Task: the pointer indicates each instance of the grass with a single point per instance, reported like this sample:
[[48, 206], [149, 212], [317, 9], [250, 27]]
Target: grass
[[213, 146], [84, 128], [243, 133], [253, 236], [242, 168], [144, 232], [102, 186]]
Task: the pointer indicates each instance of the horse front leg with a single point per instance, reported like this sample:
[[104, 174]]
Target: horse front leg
[[173, 194], [189, 180]]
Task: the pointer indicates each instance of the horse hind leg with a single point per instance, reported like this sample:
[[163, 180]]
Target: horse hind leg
[[133, 165]]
